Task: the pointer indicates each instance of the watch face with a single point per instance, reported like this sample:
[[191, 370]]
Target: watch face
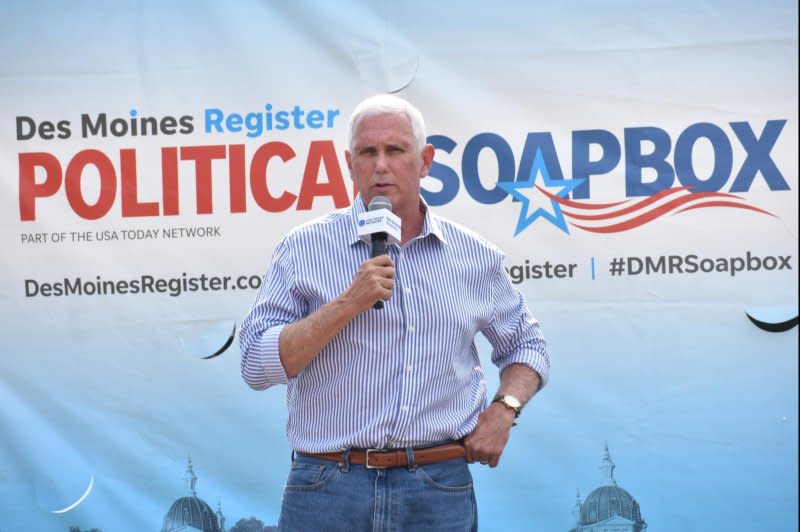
[[512, 401]]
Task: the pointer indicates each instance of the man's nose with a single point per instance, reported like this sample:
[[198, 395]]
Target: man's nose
[[381, 162]]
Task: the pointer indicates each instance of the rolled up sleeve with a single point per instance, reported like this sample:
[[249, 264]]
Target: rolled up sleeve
[[276, 305], [513, 331]]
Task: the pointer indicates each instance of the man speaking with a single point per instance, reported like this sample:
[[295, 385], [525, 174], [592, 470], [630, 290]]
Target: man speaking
[[387, 406]]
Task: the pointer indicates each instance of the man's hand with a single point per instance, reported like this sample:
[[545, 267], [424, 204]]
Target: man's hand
[[485, 444], [373, 282]]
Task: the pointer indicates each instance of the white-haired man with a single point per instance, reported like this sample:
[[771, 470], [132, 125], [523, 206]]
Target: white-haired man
[[387, 407]]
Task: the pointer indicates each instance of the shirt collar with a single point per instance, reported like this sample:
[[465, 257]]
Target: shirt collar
[[430, 226]]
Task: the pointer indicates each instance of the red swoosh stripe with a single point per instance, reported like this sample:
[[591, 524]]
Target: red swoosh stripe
[[589, 206], [646, 209], [726, 204]]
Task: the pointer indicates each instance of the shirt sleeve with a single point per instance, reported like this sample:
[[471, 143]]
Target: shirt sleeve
[[277, 304], [513, 331]]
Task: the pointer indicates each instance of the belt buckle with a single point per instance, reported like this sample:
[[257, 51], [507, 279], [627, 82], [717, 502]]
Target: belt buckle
[[366, 459]]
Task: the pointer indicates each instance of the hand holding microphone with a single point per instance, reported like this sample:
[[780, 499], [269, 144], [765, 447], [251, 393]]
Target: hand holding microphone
[[379, 227], [372, 284]]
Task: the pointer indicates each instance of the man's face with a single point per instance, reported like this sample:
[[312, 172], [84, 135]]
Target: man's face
[[385, 161]]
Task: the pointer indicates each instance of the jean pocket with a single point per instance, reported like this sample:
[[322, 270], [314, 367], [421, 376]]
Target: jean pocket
[[451, 475], [310, 475]]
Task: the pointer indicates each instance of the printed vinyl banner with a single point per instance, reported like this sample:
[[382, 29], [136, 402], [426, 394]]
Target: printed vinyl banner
[[637, 163]]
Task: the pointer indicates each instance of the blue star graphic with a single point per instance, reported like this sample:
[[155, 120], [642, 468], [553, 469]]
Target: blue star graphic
[[515, 189]]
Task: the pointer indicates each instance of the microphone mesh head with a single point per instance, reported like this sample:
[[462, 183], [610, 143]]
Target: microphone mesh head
[[380, 202]]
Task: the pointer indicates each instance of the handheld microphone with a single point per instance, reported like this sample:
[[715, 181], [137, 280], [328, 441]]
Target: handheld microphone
[[379, 238], [379, 227]]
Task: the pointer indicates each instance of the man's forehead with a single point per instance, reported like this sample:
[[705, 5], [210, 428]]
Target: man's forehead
[[384, 137], [388, 121]]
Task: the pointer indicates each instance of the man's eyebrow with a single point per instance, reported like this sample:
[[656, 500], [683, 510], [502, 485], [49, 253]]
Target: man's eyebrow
[[403, 143], [389, 144]]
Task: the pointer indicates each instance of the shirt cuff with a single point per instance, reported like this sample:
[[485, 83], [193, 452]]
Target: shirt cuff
[[537, 361], [269, 353]]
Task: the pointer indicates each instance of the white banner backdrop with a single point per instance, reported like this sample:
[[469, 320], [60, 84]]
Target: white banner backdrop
[[638, 165]]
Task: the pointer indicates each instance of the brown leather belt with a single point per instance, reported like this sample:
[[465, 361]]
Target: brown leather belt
[[384, 458]]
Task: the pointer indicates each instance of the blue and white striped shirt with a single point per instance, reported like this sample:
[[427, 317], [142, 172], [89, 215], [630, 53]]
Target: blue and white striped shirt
[[409, 374]]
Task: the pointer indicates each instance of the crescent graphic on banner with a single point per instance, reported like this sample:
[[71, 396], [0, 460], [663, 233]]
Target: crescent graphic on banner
[[773, 319], [225, 346], [410, 79], [391, 67], [80, 499]]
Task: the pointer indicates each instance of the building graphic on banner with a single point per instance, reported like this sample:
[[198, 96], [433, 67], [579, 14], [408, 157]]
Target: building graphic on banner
[[190, 513], [608, 508]]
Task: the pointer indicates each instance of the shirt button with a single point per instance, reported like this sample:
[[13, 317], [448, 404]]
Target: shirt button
[[410, 328], [408, 291], [404, 408], [409, 369]]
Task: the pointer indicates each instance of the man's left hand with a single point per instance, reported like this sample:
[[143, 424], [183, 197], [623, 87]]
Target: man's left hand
[[485, 444]]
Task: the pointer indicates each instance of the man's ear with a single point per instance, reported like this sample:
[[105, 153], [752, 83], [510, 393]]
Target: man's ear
[[349, 161], [427, 159]]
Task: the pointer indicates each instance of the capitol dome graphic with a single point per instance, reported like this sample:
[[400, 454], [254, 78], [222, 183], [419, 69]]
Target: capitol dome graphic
[[608, 508], [191, 513]]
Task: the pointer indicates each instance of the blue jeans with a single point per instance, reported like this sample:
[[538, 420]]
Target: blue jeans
[[321, 495]]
